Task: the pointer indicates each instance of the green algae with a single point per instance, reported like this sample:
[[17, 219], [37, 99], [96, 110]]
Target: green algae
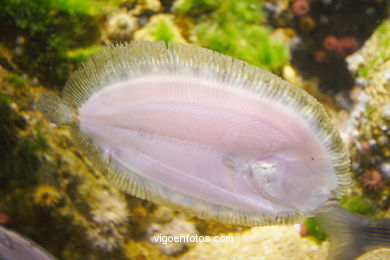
[[195, 7], [19, 166], [17, 81], [160, 28], [81, 54], [380, 39], [314, 230], [162, 32], [359, 205], [35, 160], [370, 121], [236, 29], [85, 7], [18, 162], [4, 102], [37, 15], [40, 142], [50, 28]]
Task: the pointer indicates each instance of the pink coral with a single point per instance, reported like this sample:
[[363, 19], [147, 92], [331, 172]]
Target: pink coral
[[365, 146], [301, 7], [303, 230], [330, 43], [4, 218], [373, 179], [348, 45], [321, 56], [342, 47]]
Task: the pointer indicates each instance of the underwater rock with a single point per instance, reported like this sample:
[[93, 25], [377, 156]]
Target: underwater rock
[[121, 25], [43, 181], [106, 236], [179, 226], [109, 218], [47, 196], [274, 242], [163, 214], [50, 28], [145, 6], [237, 29], [369, 125], [329, 32], [195, 7], [109, 209], [307, 23], [160, 27], [143, 250], [373, 55]]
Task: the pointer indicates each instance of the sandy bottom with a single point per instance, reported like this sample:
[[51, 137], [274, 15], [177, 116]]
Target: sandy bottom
[[270, 243]]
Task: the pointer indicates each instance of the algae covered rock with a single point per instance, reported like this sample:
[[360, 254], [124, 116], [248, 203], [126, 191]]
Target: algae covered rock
[[160, 27], [235, 28], [369, 126], [46, 188], [41, 32], [121, 25], [50, 193]]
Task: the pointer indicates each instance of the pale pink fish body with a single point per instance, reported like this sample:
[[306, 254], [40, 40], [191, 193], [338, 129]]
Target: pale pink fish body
[[219, 145]]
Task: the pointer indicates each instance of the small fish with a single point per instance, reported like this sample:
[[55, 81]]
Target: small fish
[[351, 235], [204, 133], [14, 247]]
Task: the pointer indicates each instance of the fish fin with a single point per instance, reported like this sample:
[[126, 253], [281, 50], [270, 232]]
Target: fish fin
[[115, 62], [56, 109], [351, 235]]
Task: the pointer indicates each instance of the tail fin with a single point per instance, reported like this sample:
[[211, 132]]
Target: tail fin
[[352, 235], [56, 109]]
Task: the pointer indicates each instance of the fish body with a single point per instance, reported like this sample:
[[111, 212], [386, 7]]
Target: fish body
[[14, 247], [201, 132]]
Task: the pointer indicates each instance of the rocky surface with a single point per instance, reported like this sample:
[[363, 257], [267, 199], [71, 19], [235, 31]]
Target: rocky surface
[[51, 193]]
